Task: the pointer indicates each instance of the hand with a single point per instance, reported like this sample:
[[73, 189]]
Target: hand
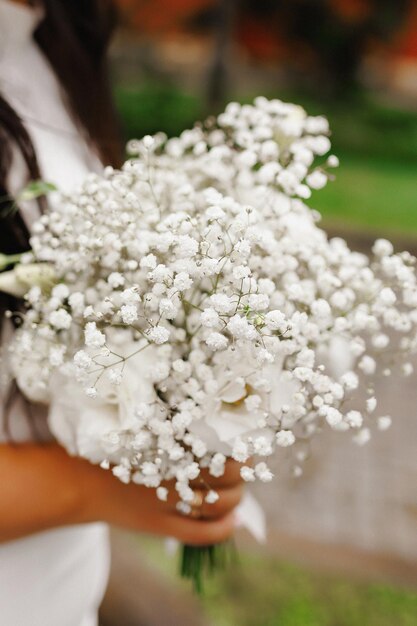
[[67, 490], [137, 508]]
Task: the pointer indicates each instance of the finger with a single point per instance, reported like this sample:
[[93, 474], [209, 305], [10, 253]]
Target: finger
[[200, 532]]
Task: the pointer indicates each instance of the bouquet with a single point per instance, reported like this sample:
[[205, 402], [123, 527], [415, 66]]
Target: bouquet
[[187, 308]]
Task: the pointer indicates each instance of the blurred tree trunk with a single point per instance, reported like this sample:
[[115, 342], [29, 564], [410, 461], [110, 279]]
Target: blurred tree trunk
[[217, 83]]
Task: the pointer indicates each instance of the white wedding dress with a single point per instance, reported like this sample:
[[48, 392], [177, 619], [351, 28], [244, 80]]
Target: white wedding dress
[[57, 577]]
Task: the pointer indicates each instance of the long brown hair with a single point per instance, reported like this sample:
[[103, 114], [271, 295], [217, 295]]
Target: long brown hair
[[74, 36]]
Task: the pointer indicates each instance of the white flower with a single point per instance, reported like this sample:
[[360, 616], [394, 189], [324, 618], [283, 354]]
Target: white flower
[[263, 472], [116, 280], [240, 451], [362, 437], [276, 320], [61, 292], [182, 281], [380, 341], [247, 474], [158, 334], [333, 416], [240, 272], [321, 308], [387, 296], [253, 402], [162, 493], [407, 369], [217, 465], [317, 180], [82, 359], [243, 247], [209, 318], [262, 347], [221, 303], [384, 422], [148, 262], [258, 302], [349, 381], [333, 161], [211, 497], [382, 248], [115, 377], [148, 142], [56, 355], [186, 246], [94, 338], [129, 313], [76, 301], [368, 365], [167, 309], [264, 357], [216, 341], [354, 419], [60, 319], [130, 296], [285, 438], [371, 404], [240, 328]]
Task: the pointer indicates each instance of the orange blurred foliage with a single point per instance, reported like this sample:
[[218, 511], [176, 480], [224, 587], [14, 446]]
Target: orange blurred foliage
[[255, 35], [158, 17]]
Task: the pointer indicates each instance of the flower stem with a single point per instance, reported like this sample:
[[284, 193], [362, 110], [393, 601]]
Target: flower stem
[[199, 562], [9, 259]]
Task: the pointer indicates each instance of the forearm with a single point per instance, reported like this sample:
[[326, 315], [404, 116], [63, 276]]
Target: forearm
[[41, 487]]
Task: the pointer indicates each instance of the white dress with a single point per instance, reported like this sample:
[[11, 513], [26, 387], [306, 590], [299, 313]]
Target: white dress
[[57, 577]]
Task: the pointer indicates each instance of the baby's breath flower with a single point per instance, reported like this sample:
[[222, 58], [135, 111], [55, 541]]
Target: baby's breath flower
[[197, 281], [285, 438], [158, 334], [60, 319]]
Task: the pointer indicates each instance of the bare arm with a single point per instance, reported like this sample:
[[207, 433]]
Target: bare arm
[[42, 487]]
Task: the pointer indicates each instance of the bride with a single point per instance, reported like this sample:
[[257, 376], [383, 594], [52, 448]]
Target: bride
[[57, 123]]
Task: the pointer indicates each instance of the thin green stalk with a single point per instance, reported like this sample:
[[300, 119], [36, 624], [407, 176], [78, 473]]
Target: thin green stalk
[[197, 563]]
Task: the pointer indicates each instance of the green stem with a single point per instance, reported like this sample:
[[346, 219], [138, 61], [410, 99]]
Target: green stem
[[199, 562], [9, 259]]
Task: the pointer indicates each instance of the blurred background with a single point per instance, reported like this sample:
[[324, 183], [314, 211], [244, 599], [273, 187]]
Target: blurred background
[[342, 545]]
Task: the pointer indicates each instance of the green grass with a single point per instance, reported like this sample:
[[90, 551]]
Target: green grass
[[379, 196], [265, 591], [153, 108], [376, 184]]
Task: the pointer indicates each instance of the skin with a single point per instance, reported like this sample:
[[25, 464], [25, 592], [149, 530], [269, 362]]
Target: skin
[[46, 488]]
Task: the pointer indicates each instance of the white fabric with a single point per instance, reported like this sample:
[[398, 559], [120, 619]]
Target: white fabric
[[58, 577]]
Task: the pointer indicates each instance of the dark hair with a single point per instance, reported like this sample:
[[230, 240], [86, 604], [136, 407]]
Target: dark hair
[[74, 36]]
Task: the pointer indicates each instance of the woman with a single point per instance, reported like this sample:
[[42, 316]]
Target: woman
[[57, 122]]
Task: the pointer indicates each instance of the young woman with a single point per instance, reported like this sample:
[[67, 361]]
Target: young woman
[[57, 122]]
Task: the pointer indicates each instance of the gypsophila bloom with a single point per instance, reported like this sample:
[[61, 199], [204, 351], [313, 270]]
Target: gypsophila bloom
[[384, 422], [159, 334], [285, 438], [129, 314], [193, 298], [60, 319]]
